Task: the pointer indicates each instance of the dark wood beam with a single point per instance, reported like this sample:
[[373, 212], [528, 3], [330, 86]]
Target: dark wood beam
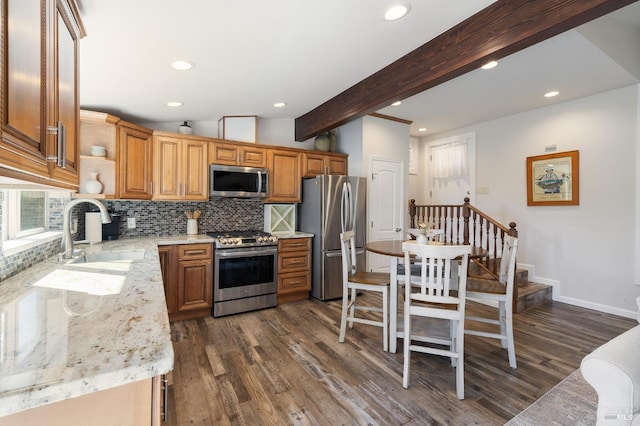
[[499, 30]]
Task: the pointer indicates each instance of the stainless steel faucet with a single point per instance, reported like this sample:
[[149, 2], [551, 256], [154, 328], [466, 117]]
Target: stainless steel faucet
[[67, 240]]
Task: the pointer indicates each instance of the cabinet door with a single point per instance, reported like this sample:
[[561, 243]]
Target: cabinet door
[[312, 165], [253, 157], [134, 163], [225, 153], [195, 284], [337, 165], [166, 168], [65, 106], [284, 176], [169, 267], [195, 170], [23, 115]]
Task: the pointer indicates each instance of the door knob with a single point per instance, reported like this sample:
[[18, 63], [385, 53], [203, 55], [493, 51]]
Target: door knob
[[398, 229]]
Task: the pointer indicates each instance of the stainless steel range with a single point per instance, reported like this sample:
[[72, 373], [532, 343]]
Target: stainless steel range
[[245, 271]]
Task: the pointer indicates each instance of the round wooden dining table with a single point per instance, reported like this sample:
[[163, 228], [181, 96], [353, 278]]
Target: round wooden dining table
[[393, 249]]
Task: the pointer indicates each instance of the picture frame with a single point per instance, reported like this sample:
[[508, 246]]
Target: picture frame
[[553, 179]]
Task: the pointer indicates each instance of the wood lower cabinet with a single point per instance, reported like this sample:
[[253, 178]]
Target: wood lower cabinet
[[284, 176], [187, 272], [314, 164], [294, 269], [137, 403]]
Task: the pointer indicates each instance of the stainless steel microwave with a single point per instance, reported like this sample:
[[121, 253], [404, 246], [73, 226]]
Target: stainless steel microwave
[[238, 182]]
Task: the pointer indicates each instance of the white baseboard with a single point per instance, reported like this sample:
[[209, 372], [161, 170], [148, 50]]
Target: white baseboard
[[558, 297]]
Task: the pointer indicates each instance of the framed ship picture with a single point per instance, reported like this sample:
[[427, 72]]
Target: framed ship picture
[[553, 179]]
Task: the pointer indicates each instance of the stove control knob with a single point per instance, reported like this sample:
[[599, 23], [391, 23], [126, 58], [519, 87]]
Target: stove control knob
[[222, 241], [237, 241], [273, 238]]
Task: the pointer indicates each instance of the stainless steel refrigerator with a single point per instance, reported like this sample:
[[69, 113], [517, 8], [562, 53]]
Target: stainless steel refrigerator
[[330, 205]]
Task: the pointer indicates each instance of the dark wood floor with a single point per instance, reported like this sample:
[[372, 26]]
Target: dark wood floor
[[285, 366]]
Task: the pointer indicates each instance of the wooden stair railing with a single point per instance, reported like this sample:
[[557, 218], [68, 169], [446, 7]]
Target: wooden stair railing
[[466, 224]]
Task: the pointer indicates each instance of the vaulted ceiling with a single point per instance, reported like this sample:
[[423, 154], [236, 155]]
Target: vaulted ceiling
[[250, 54]]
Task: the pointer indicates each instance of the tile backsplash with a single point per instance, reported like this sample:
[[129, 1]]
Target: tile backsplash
[[153, 218], [156, 218]]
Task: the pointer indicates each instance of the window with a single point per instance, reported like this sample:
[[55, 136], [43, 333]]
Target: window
[[27, 212]]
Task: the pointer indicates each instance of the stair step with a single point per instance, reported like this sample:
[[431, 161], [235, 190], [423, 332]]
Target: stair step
[[532, 294]]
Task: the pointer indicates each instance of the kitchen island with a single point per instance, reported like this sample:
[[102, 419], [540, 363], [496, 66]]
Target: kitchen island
[[69, 330]]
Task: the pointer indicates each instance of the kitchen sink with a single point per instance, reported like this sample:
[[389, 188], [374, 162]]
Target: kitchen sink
[[110, 256]]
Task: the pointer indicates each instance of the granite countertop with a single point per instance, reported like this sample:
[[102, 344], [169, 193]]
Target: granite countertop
[[73, 329], [296, 234]]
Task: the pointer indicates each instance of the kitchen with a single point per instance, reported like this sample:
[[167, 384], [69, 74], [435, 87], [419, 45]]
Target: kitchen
[[139, 209]]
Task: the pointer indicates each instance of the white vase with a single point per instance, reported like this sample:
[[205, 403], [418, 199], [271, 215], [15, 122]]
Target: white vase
[[422, 239], [93, 186], [192, 226]]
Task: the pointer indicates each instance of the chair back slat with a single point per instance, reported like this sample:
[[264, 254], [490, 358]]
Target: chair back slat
[[440, 273]]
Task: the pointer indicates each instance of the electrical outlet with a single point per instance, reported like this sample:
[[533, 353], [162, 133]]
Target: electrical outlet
[[131, 222], [482, 189]]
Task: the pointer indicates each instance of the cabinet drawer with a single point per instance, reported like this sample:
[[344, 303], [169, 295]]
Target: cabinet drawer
[[195, 251], [293, 282], [294, 244], [289, 262]]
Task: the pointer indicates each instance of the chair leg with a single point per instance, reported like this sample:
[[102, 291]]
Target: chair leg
[[343, 316], [385, 319], [502, 317], [407, 353], [352, 310], [511, 347], [460, 364], [452, 336]]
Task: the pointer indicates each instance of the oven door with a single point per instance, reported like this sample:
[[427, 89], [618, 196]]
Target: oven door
[[244, 272]]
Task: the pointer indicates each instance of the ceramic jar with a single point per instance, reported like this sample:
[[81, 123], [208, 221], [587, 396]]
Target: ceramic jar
[[323, 142], [192, 226], [93, 186]]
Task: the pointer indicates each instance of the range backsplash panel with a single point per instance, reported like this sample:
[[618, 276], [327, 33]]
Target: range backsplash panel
[[157, 218]]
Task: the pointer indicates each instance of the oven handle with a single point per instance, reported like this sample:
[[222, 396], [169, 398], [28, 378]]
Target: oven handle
[[251, 251]]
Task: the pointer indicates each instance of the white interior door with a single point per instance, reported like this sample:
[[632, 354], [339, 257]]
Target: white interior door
[[386, 206], [446, 186]]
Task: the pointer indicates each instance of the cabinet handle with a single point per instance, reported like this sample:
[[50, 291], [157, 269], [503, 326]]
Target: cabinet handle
[[165, 398], [62, 158], [192, 252]]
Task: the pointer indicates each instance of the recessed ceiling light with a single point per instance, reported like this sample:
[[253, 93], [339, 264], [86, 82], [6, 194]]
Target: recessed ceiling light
[[396, 103], [489, 65], [396, 12], [181, 65], [551, 94], [279, 104], [422, 129], [174, 104]]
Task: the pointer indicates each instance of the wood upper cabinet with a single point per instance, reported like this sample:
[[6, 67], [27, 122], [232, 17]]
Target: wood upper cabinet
[[237, 154], [134, 153], [284, 176], [180, 168], [314, 164], [187, 271], [63, 83], [40, 89]]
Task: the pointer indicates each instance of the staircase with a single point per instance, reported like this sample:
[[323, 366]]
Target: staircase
[[465, 224]]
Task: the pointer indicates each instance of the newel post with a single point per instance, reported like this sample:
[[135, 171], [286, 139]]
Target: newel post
[[512, 232], [412, 212], [466, 213]]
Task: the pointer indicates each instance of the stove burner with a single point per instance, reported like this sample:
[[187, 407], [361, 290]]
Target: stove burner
[[243, 239]]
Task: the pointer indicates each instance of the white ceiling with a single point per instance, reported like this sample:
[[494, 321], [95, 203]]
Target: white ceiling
[[249, 54]]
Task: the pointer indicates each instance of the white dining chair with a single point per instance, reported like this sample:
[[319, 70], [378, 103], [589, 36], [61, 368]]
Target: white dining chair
[[433, 294], [501, 292], [353, 281]]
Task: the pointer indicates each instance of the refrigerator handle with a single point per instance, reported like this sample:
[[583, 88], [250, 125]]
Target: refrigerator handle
[[343, 207], [352, 218]]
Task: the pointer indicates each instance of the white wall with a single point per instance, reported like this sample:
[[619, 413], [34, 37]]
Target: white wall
[[586, 251], [279, 132]]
